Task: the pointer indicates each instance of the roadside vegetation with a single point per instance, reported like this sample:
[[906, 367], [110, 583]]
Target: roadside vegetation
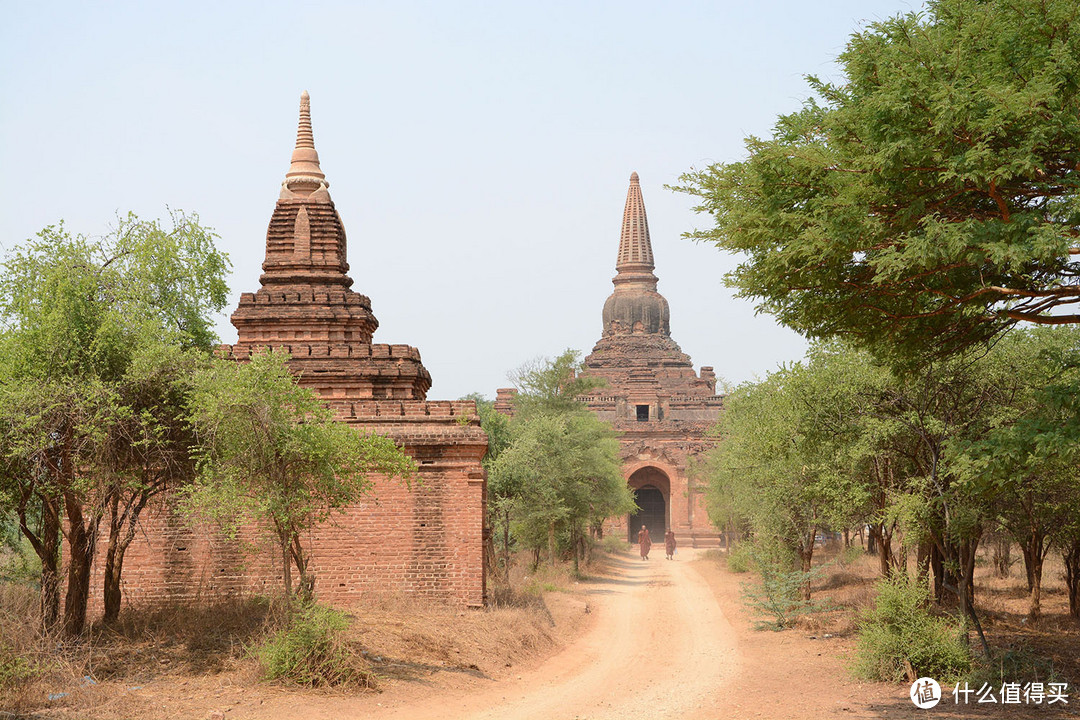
[[914, 219], [554, 472]]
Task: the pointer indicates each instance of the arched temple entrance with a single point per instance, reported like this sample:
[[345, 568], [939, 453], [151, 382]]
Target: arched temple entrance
[[652, 490]]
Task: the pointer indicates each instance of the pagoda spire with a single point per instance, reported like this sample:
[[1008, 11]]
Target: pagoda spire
[[635, 248], [305, 176], [635, 307]]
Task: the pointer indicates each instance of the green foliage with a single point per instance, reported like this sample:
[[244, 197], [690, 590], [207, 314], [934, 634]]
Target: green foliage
[[96, 335], [270, 449], [552, 386], [900, 628], [781, 596], [740, 557], [927, 200], [312, 651], [785, 464], [613, 544], [19, 563], [560, 471], [15, 669]]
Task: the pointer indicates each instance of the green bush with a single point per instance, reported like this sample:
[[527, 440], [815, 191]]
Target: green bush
[[614, 544], [740, 557], [312, 651], [780, 596], [15, 669], [900, 627]]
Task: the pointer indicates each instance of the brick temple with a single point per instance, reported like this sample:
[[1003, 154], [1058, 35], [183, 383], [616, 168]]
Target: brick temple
[[427, 539], [653, 398]]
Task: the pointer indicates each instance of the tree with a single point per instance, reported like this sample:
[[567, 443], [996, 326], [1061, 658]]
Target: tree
[[147, 450], [497, 427], [271, 450], [1027, 464], [77, 315], [561, 471], [929, 199], [776, 465]]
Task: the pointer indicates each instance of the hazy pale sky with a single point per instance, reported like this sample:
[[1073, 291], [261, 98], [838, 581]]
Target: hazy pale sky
[[478, 152]]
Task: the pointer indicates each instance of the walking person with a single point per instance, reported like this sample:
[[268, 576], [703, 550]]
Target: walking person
[[644, 542], [669, 544]]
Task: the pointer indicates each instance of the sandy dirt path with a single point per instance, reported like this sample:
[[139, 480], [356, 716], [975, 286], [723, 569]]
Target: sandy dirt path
[[659, 646]]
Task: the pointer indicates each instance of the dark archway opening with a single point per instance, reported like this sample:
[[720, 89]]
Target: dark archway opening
[[652, 514]]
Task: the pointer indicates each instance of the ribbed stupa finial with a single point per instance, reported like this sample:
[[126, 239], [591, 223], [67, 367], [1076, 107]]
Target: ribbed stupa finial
[[304, 176], [635, 248]]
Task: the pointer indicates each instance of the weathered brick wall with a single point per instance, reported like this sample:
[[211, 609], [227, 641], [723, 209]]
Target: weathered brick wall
[[425, 538]]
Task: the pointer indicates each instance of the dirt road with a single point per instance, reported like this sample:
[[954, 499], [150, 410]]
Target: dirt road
[[658, 646]]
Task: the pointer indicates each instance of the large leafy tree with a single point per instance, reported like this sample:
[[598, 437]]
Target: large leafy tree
[[82, 320], [928, 198], [778, 464], [1026, 465], [271, 451], [560, 472]]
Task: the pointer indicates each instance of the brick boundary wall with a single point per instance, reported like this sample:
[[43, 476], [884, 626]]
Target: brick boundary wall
[[425, 539]]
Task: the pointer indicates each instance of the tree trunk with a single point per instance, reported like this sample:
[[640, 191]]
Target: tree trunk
[[82, 536], [881, 538], [938, 569], [847, 538], [1035, 606], [806, 556], [114, 559], [1071, 555], [286, 564], [306, 589], [1034, 548], [922, 562], [551, 543], [574, 546], [123, 523], [506, 546], [1001, 555], [46, 543]]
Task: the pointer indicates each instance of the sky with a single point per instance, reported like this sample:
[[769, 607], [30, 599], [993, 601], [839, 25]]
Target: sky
[[478, 153]]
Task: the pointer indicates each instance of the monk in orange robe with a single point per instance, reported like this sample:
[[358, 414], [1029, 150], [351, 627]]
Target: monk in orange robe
[[644, 542], [669, 544]]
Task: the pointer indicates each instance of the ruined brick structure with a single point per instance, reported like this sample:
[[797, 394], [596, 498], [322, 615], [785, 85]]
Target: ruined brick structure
[[653, 398], [426, 540]]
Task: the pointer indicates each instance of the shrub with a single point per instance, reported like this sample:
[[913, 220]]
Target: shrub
[[614, 544], [312, 651], [901, 629], [740, 557], [780, 595], [15, 670]]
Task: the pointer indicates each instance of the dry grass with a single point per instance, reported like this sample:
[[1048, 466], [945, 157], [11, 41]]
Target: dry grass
[[399, 636], [406, 637]]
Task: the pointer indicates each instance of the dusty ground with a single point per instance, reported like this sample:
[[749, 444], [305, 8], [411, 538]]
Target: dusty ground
[[641, 640]]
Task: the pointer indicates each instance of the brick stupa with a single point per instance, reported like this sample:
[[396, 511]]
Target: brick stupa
[[653, 398], [425, 540]]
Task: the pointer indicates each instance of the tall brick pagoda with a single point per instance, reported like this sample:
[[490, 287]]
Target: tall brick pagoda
[[653, 397], [426, 539]]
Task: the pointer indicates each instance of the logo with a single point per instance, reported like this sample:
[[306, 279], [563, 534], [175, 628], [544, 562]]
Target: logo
[[925, 693]]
